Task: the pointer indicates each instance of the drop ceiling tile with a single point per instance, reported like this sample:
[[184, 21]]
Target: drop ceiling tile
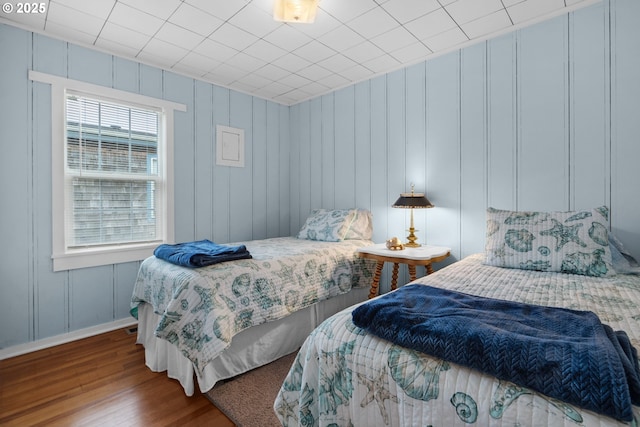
[[291, 62], [322, 25], [199, 62], [254, 20], [178, 36], [221, 9], [227, 74], [372, 23], [213, 49], [100, 9], [408, 10], [337, 63], [382, 64], [34, 21], [394, 39], [315, 88], [254, 81], [431, 24], [411, 53], [463, 11], [65, 32], [334, 81], [363, 52], [74, 20], [245, 62], [161, 49], [294, 80], [234, 37], [117, 48], [272, 72], [495, 22], [264, 50], [509, 3], [314, 51], [123, 36], [159, 8], [288, 38], [356, 73], [129, 17], [446, 40], [314, 72], [196, 20], [345, 11], [341, 38], [530, 10]]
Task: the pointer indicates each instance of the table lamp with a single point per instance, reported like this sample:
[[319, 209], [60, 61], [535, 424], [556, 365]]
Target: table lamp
[[412, 201]]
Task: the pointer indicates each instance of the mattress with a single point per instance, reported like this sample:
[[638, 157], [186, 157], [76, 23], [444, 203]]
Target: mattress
[[199, 311], [345, 376]]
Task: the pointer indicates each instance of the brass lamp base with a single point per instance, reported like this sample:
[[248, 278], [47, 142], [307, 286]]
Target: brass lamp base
[[412, 239]]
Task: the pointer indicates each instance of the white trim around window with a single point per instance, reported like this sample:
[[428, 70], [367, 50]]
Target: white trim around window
[[64, 257]]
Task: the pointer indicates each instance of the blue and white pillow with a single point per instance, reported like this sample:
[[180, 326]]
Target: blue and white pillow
[[574, 242], [334, 225]]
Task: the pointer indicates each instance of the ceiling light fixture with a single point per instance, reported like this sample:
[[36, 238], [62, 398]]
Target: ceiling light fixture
[[298, 11]]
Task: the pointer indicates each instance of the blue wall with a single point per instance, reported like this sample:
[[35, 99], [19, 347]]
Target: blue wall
[[542, 118], [219, 203]]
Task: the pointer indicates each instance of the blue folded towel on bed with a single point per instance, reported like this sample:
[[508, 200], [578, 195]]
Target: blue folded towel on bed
[[200, 253], [565, 354]]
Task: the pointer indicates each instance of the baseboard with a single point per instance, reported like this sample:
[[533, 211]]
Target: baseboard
[[29, 347]]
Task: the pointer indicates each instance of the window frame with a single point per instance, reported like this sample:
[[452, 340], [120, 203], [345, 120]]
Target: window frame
[[65, 258]]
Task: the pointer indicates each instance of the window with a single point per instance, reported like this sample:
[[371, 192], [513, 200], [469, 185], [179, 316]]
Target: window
[[112, 174]]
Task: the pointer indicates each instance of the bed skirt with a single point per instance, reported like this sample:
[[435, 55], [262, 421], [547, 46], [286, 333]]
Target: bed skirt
[[249, 349]]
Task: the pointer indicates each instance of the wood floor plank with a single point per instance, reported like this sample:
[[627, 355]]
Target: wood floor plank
[[97, 381]]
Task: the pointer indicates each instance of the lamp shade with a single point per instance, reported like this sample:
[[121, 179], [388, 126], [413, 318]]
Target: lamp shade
[[412, 201]]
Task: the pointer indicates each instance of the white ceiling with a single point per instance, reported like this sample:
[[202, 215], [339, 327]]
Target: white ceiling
[[237, 44]]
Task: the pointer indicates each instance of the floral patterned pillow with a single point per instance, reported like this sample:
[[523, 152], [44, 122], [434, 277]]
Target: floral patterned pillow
[[334, 225], [574, 242]]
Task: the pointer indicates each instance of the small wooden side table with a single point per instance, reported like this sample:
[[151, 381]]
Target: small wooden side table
[[424, 255]]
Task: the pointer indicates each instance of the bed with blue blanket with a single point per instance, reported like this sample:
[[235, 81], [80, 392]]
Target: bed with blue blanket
[[481, 342], [207, 312]]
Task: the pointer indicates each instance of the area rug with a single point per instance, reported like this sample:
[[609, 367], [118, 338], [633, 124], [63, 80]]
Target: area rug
[[247, 399]]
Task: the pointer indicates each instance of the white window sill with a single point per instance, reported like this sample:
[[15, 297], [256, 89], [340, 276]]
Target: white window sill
[[102, 256]]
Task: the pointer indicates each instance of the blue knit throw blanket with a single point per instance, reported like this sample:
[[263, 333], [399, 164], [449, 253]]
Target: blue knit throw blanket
[[564, 354], [200, 253]]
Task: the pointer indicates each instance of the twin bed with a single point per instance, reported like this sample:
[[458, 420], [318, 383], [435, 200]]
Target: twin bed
[[347, 375], [203, 325]]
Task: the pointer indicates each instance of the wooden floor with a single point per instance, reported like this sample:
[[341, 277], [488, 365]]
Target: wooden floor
[[97, 381]]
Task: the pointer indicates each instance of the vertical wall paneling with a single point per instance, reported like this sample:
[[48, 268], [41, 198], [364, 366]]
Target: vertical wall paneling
[[315, 153], [362, 136], [443, 152], [259, 169], [298, 212], [473, 146], [221, 174], [345, 178], [396, 152], [241, 201], [502, 178], [273, 190], [181, 89], [543, 116], [625, 123], [39, 303], [205, 159], [304, 160], [15, 287], [589, 108], [285, 172], [328, 152], [51, 289], [379, 171]]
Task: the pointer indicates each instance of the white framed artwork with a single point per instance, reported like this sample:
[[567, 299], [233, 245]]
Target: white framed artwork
[[229, 146]]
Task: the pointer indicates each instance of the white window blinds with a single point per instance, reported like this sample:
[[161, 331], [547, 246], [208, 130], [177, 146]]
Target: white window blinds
[[111, 173]]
